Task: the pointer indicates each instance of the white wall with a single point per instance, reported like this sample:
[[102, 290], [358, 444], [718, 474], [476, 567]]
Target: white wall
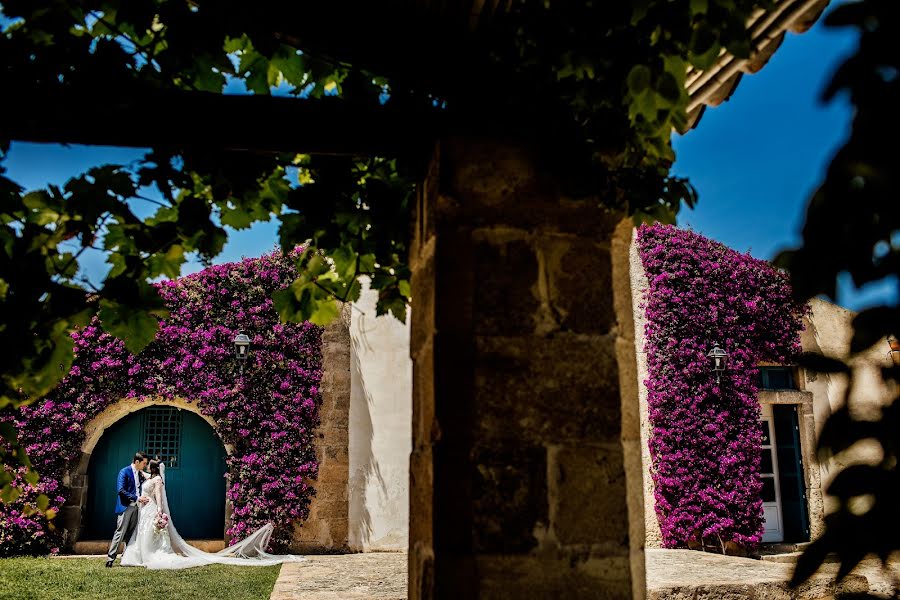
[[380, 428]]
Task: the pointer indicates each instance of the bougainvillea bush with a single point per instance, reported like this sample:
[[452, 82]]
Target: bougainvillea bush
[[268, 414], [705, 440]]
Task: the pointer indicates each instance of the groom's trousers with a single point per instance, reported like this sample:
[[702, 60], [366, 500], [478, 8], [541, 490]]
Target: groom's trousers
[[125, 524]]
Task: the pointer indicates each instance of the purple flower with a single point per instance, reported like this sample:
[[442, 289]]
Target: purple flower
[[704, 440], [257, 415]]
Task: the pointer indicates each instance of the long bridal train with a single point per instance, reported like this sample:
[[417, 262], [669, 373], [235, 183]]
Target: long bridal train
[[165, 549]]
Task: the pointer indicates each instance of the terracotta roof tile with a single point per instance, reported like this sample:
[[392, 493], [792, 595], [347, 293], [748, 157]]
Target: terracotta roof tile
[[767, 29]]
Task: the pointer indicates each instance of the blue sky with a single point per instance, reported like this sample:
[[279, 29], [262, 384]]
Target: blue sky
[[755, 160], [37, 165]]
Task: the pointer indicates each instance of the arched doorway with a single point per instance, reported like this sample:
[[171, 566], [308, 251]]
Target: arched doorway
[[195, 470]]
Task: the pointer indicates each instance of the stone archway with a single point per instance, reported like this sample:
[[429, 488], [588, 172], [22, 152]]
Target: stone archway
[[326, 529], [77, 480]]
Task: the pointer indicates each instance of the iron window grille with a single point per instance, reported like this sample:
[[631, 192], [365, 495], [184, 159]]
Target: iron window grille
[[162, 434]]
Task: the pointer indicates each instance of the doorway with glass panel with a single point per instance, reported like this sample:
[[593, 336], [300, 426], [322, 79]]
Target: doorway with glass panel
[[783, 491]]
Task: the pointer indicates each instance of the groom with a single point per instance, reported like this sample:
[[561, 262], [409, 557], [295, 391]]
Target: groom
[[128, 484]]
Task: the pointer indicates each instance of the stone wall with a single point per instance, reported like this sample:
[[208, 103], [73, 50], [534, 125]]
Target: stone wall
[[380, 428], [525, 469], [829, 331], [327, 528], [380, 371], [804, 400]]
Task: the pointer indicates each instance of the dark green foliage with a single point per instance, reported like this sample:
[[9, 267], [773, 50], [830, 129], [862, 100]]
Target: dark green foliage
[[598, 86]]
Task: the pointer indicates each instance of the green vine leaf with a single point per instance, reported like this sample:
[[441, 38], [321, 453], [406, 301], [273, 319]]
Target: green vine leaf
[[135, 327]]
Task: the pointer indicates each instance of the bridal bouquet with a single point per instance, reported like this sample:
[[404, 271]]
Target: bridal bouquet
[[161, 522]]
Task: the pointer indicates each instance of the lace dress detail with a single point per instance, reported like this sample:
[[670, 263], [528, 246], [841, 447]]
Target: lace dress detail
[[149, 546]]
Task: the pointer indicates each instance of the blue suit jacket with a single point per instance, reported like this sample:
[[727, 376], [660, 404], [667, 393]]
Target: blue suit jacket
[[126, 492]]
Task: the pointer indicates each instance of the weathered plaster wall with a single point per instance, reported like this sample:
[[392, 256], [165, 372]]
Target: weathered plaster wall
[[638, 285], [829, 331], [380, 428]]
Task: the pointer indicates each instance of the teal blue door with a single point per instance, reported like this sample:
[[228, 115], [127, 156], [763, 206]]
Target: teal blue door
[[195, 470]]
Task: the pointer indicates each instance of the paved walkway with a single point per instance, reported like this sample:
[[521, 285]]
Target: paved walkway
[[671, 575], [690, 575], [371, 576]]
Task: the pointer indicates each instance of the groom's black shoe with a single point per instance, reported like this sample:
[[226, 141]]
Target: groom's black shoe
[[109, 563]]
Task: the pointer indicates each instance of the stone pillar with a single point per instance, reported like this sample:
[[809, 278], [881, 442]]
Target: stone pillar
[[525, 474], [327, 528]]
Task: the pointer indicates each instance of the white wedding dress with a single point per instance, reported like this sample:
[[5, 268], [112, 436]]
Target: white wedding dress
[[165, 549]]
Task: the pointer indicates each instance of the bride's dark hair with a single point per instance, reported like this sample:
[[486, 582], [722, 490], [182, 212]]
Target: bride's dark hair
[[154, 467]]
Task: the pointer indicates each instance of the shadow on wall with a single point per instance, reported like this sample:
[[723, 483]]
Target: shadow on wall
[[361, 528], [829, 332]]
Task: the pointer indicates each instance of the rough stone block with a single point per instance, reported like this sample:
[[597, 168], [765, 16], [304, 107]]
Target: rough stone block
[[102, 422], [334, 493], [579, 283], [421, 571], [339, 526], [553, 389], [424, 217], [515, 577], [333, 453], [487, 175], [506, 275], [333, 472], [589, 476], [422, 287], [816, 502], [421, 510], [489, 182], [509, 496], [423, 425], [76, 496], [69, 517], [454, 281]]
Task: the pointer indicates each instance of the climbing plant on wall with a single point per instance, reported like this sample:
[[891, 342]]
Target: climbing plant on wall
[[268, 414], [705, 438]]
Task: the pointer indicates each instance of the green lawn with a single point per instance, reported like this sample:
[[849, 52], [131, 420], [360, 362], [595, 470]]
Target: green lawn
[[89, 579]]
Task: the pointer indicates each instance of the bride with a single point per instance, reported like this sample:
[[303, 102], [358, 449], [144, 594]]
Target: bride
[[155, 543]]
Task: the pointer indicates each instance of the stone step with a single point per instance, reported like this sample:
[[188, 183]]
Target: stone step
[[792, 557], [787, 557], [99, 547], [782, 548]]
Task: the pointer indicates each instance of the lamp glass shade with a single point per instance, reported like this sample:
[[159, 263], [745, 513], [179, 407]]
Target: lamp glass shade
[[719, 358], [241, 345]]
